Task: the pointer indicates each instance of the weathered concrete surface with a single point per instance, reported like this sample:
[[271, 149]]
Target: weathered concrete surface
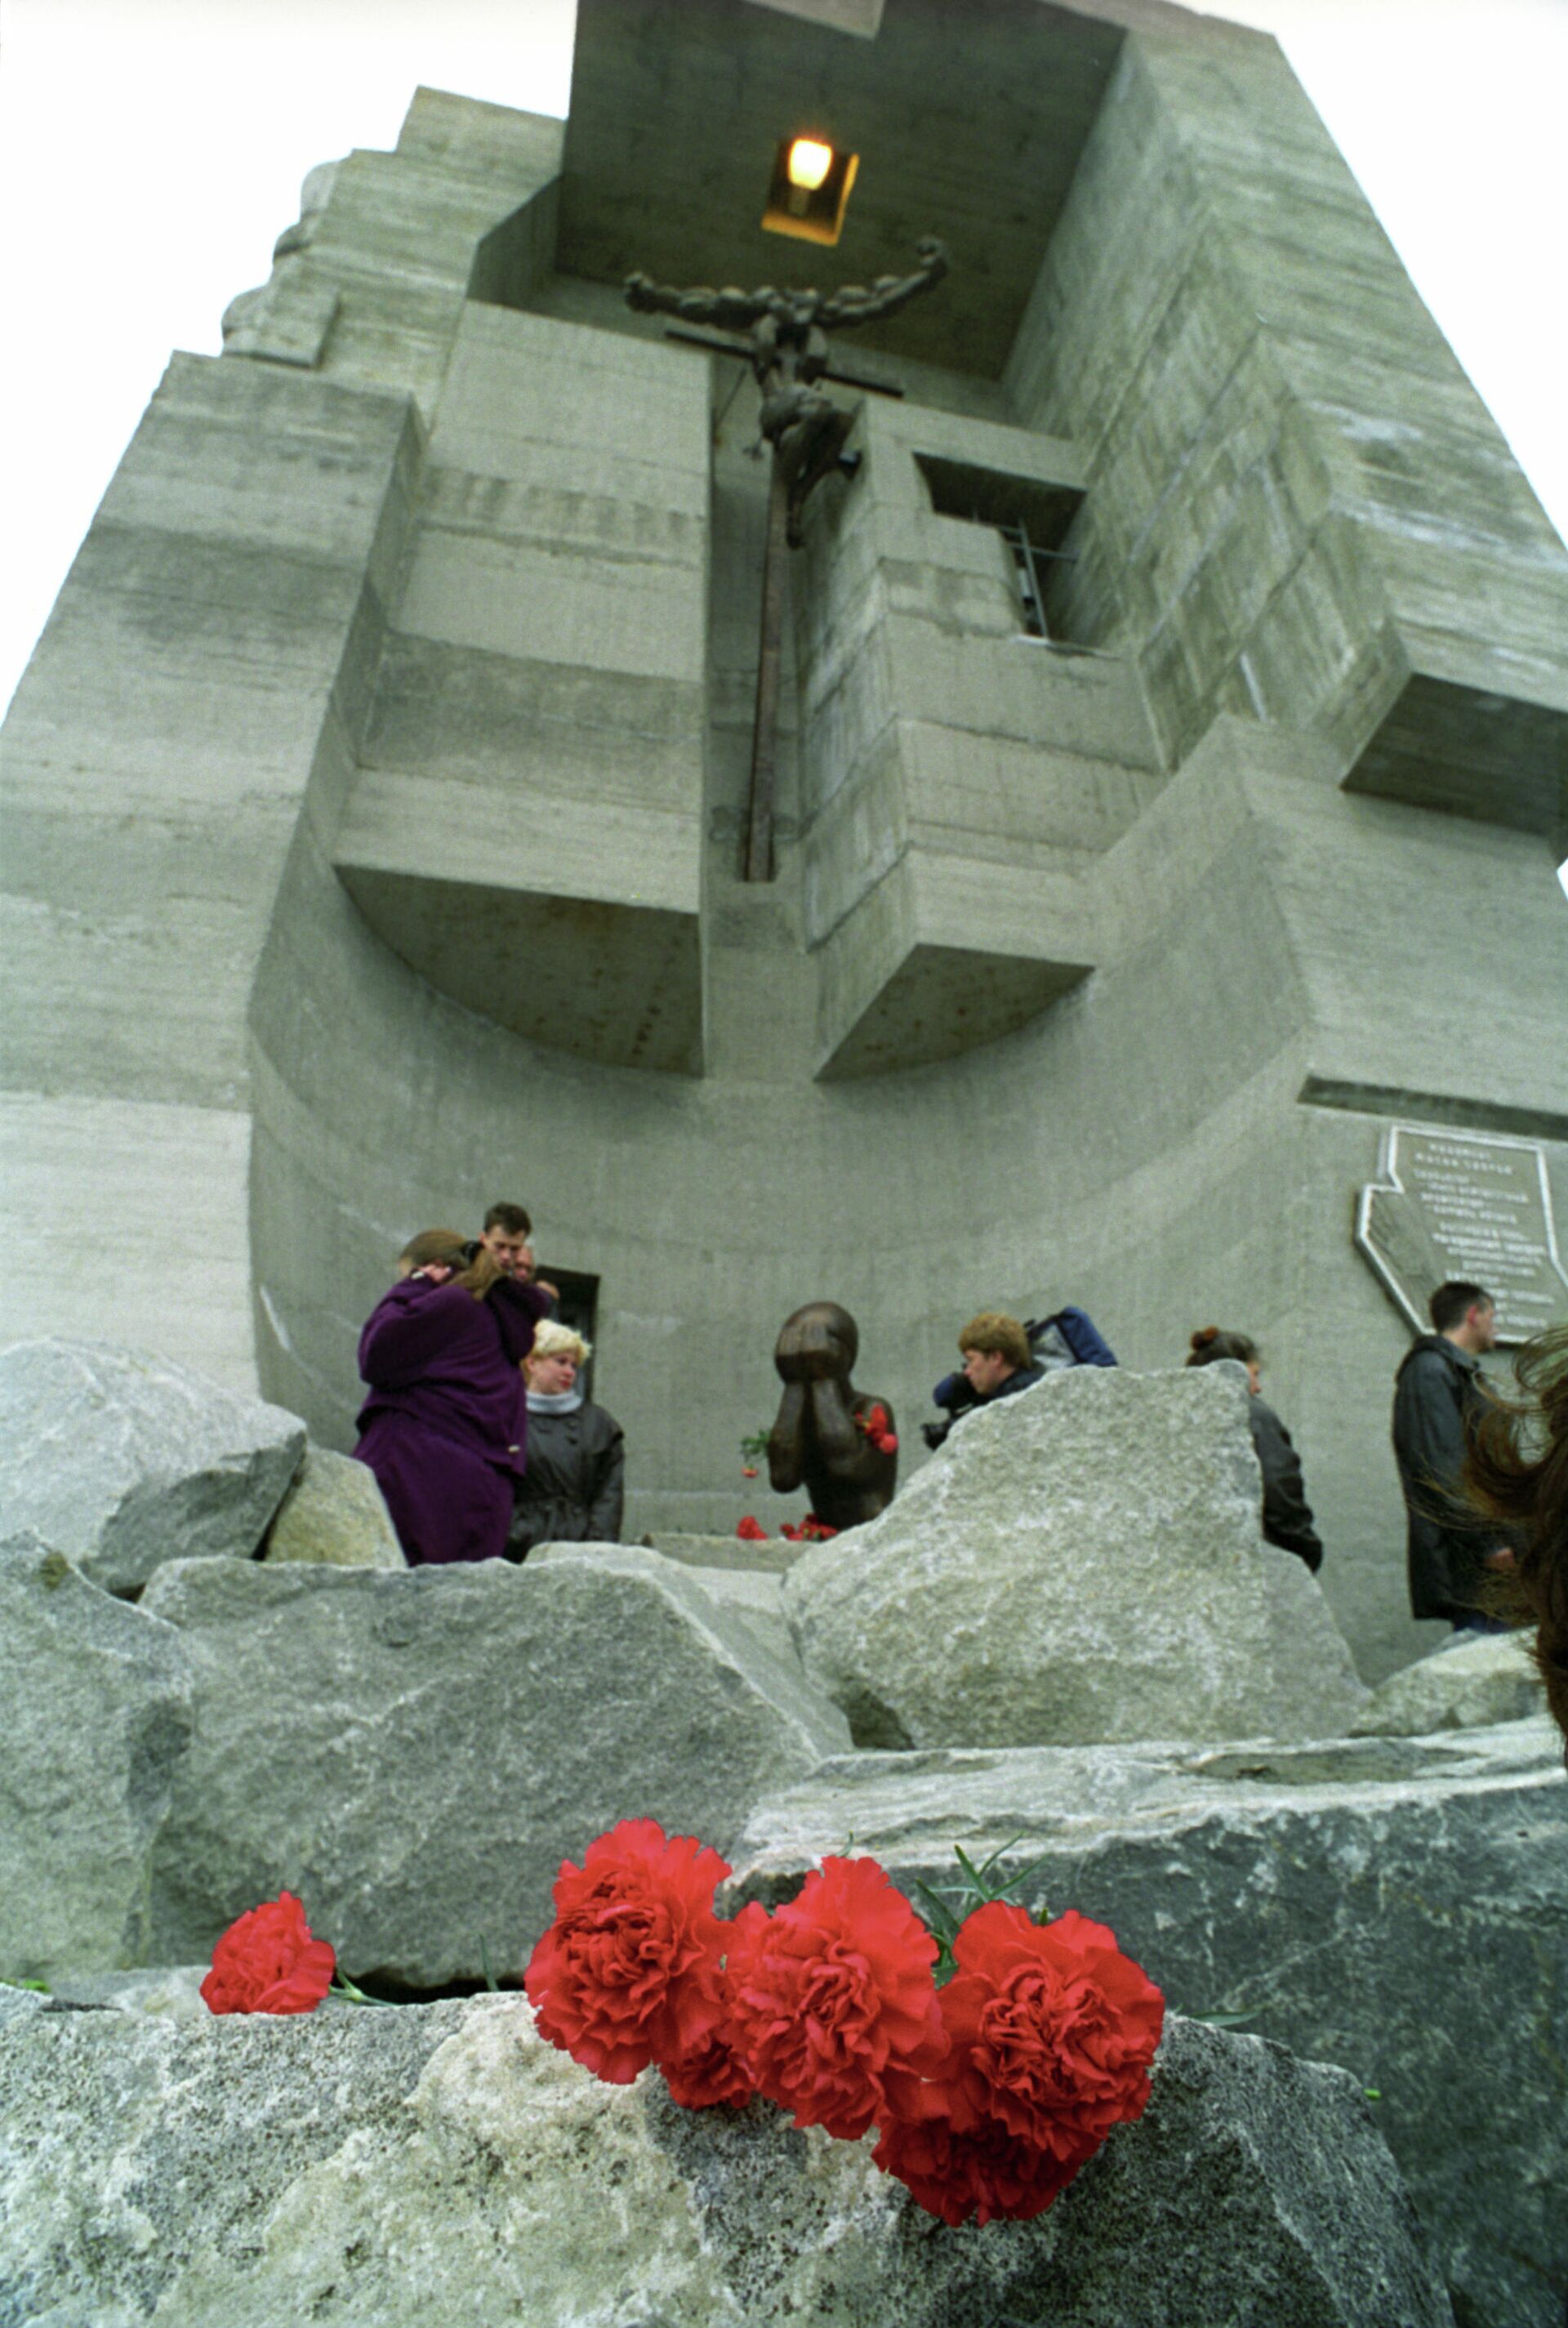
[[121, 1459], [442, 2166], [1397, 1906], [1484, 1679], [549, 663], [97, 1702], [1352, 551], [414, 1755], [335, 1514], [1081, 1562]]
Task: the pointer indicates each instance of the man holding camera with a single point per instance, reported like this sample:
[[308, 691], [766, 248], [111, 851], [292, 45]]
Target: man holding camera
[[1001, 1357]]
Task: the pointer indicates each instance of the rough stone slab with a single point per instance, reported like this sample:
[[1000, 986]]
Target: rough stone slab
[[774, 1555], [168, 1991], [442, 2166], [749, 1595], [335, 1514], [414, 1755], [120, 1459], [1083, 1561], [1397, 1906], [96, 1700], [1483, 1680]]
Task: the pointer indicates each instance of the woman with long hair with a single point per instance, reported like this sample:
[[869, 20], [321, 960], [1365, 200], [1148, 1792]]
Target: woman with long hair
[[1287, 1514], [445, 1427], [1516, 1471]]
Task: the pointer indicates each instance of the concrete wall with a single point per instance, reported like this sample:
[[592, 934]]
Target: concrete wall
[[1299, 508], [213, 644], [527, 828], [961, 774]]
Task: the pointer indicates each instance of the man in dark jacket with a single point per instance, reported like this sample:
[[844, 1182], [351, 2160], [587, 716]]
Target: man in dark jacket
[[996, 1359], [1439, 1393]]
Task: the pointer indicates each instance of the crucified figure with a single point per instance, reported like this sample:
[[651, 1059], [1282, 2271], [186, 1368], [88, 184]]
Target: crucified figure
[[786, 345]]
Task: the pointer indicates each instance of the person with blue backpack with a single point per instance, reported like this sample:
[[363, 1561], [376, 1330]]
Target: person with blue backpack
[[1002, 1357]]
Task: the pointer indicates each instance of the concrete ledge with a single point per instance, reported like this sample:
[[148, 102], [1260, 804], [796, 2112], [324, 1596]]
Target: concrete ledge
[[942, 956], [1442, 745], [618, 982]]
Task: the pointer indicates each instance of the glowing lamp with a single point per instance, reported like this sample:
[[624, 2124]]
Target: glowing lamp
[[809, 162], [811, 185]]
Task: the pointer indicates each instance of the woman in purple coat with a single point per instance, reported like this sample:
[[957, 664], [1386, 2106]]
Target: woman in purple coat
[[444, 1427]]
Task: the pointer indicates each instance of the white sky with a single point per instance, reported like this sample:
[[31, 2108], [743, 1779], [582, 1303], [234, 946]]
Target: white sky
[[150, 151]]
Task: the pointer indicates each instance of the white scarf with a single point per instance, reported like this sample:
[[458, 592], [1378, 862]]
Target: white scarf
[[559, 1402]]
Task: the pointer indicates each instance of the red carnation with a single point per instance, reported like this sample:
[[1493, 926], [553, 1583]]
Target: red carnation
[[710, 2073], [983, 2171], [267, 1962], [629, 1971], [752, 1531], [1052, 2029], [833, 1997], [812, 1530]]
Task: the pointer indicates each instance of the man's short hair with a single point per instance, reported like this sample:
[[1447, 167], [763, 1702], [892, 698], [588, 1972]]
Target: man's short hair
[[993, 1330], [1451, 1304], [512, 1218]]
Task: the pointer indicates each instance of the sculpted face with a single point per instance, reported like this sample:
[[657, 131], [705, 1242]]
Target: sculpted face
[[818, 1341]]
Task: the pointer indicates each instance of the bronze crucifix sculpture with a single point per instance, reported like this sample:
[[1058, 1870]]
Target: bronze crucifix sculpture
[[787, 346]]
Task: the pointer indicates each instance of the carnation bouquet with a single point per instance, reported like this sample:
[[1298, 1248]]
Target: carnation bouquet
[[988, 2092], [992, 2055]]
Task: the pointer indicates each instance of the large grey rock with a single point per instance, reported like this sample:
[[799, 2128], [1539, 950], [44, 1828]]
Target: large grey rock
[[771, 1556], [441, 2167], [1083, 1561], [414, 1754], [335, 1514], [171, 1992], [1484, 1679], [96, 1700], [1397, 1906], [750, 1594], [120, 1459]]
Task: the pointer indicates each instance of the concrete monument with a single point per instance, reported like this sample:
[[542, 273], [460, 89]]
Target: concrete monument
[[1185, 654]]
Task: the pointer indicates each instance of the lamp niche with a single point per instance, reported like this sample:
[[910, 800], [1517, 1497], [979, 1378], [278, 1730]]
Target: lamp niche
[[809, 189]]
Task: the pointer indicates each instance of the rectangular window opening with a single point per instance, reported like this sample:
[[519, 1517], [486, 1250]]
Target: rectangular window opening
[[1034, 519]]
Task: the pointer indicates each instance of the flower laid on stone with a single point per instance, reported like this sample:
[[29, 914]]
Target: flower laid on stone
[[834, 1998], [1050, 2031], [876, 1425], [751, 1531], [267, 1962], [989, 2093], [630, 1972], [811, 1530]]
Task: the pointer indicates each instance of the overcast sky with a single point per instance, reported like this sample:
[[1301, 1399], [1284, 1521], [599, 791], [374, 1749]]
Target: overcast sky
[[150, 151]]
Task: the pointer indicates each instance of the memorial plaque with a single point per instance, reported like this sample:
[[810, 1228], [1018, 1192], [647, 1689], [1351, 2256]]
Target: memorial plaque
[[1461, 1204]]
